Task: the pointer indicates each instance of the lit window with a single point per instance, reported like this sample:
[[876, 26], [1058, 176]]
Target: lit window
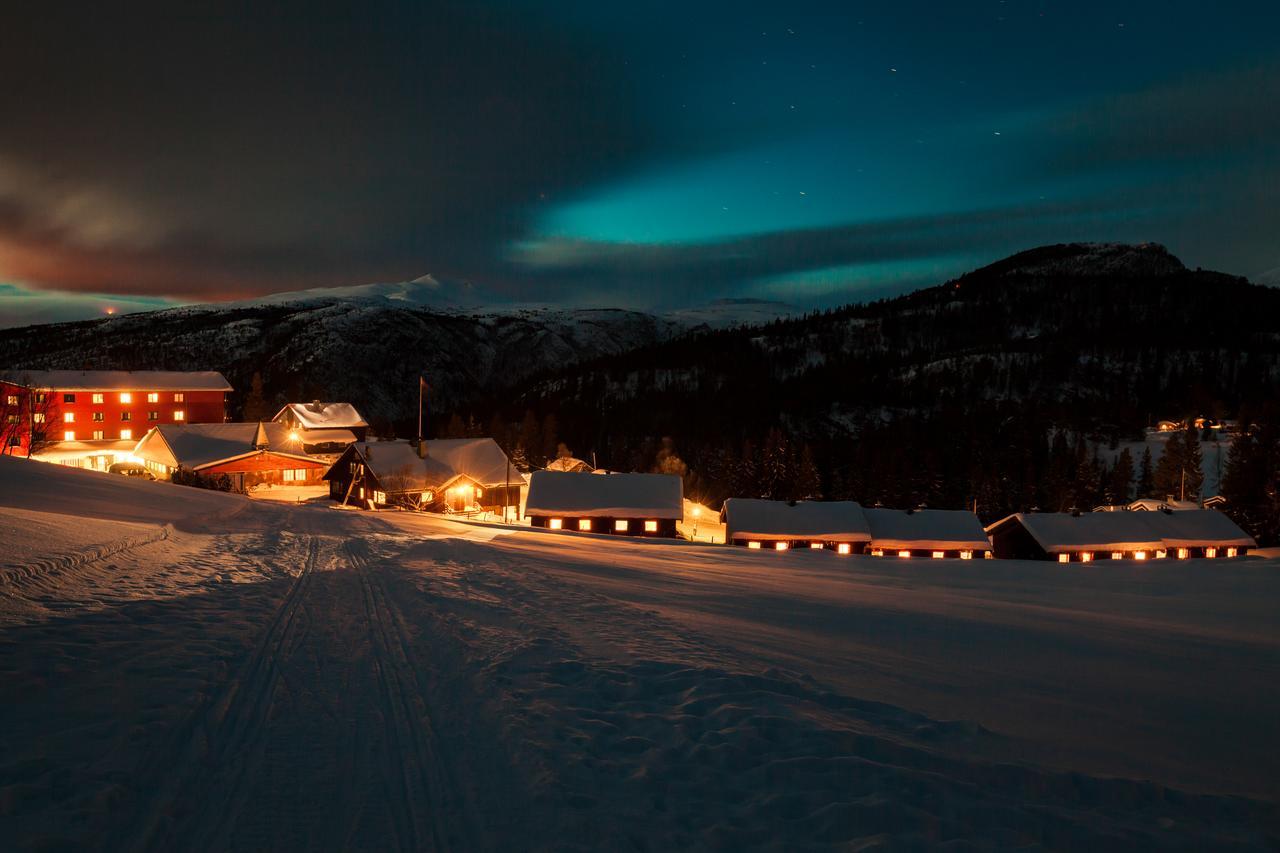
[[179, 415], [68, 398], [177, 398], [1064, 558], [987, 555], [153, 397], [97, 398], [379, 497], [126, 397], [621, 525], [816, 546], [362, 493], [1117, 555], [966, 555], [68, 417], [584, 524], [877, 552], [1211, 552], [98, 435], [1160, 555], [126, 434], [556, 523], [1183, 553], [11, 400], [1086, 556], [938, 555], [843, 548], [1231, 552], [38, 417], [651, 526], [479, 491], [904, 553], [1139, 555], [780, 546], [153, 416], [97, 416], [288, 475], [69, 435], [753, 545]]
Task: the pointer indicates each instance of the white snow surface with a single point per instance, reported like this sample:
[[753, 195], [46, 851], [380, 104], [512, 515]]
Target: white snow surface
[[942, 529], [120, 380], [319, 415], [191, 670], [830, 521], [611, 495]]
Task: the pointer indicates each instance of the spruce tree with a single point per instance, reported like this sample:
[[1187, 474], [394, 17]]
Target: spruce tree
[[255, 404], [1146, 476], [1193, 462], [1120, 481], [808, 480]]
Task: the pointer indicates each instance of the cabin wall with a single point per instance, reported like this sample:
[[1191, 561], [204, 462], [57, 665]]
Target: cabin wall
[[607, 525], [744, 541]]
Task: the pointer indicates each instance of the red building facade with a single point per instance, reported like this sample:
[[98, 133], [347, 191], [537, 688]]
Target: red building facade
[[38, 408]]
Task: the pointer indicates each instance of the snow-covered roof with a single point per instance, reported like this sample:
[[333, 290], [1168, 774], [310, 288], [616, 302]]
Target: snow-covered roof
[[481, 459], [197, 446], [939, 529], [63, 449], [318, 415], [609, 495], [1129, 531], [568, 463], [829, 521], [120, 380]]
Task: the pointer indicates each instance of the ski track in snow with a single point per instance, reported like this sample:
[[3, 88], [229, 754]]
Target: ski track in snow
[[247, 676]]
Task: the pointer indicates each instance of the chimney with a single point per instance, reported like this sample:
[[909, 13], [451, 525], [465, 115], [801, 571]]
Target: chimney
[[260, 440]]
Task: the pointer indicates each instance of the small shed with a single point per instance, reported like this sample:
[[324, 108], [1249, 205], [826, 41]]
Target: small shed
[[839, 526], [622, 504], [1133, 535], [936, 533]]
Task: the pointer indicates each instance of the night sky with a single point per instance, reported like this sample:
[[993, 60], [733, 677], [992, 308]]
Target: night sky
[[656, 156]]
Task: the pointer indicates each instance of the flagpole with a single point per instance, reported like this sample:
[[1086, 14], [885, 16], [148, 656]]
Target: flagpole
[[420, 384]]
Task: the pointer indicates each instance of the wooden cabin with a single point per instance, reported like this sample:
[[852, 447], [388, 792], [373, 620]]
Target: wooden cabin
[[1133, 535], [462, 475], [324, 426], [838, 526], [930, 533], [250, 454], [615, 504]]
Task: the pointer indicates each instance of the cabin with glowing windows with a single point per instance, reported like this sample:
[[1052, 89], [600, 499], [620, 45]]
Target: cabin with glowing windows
[[250, 454], [1126, 535], [614, 504], [838, 526], [324, 427], [454, 475], [931, 533], [92, 418]]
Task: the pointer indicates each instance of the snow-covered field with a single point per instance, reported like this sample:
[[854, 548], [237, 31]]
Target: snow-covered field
[[186, 670]]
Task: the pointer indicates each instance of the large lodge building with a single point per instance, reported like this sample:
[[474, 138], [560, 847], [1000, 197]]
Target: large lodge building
[[91, 418]]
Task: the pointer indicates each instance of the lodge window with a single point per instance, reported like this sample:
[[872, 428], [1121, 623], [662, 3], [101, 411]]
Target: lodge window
[[153, 397], [843, 548], [153, 416], [38, 417], [178, 398], [13, 419], [126, 397], [97, 398], [179, 415], [11, 400], [40, 397], [1086, 556], [98, 435], [1231, 552], [753, 545], [780, 546], [877, 552], [556, 523], [904, 553], [938, 555], [1064, 558], [68, 417], [621, 525], [816, 546], [295, 475], [966, 555], [1211, 552], [69, 435], [126, 416], [97, 416], [584, 524], [651, 526], [68, 398], [379, 497], [126, 434], [1116, 555]]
